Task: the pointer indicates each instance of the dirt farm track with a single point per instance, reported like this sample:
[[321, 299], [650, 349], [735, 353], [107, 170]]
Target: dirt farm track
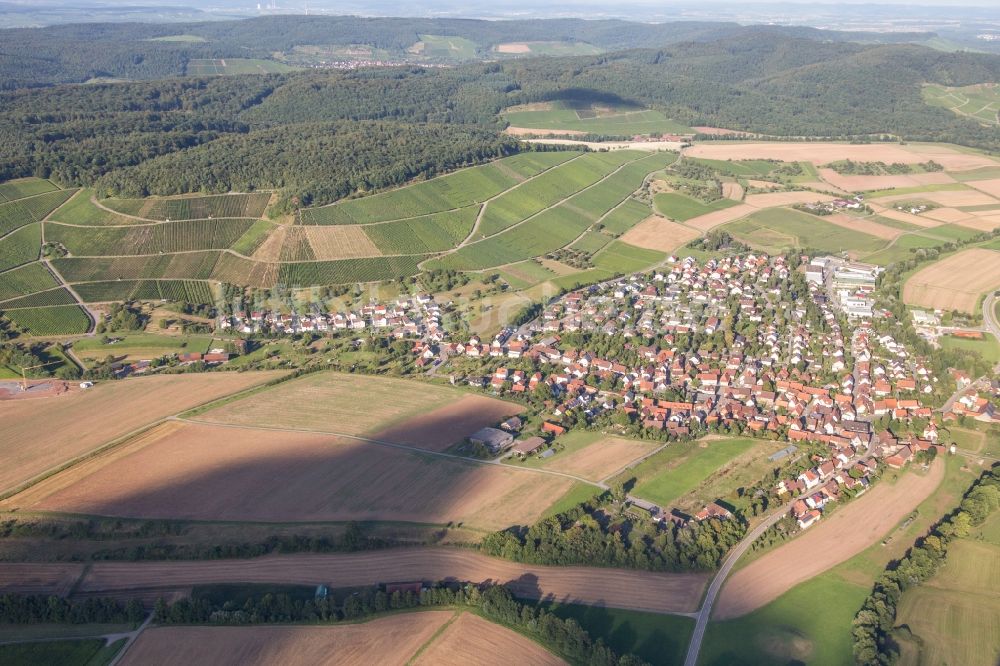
[[637, 590]]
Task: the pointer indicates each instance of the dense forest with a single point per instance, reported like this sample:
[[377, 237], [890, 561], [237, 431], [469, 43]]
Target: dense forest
[[320, 135]]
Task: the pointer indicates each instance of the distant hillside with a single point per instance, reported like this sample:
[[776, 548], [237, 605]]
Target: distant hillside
[[78, 52]]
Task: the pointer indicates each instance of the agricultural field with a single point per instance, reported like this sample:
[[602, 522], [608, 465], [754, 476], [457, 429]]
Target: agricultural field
[[82, 210], [57, 296], [140, 346], [583, 117], [389, 640], [433, 233], [402, 411], [778, 229], [25, 187], [235, 66], [955, 616], [192, 207], [81, 652], [25, 280], [555, 49], [980, 102], [681, 208], [816, 153], [165, 237], [955, 282], [440, 47], [197, 471], [21, 247], [455, 190], [625, 216], [253, 237], [49, 320], [16, 214], [85, 420], [592, 456], [185, 266], [659, 233]]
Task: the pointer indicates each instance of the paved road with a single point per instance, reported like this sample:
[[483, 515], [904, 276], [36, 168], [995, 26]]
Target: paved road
[[694, 647], [989, 316]]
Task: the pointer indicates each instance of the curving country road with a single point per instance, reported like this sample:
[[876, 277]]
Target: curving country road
[[701, 624]]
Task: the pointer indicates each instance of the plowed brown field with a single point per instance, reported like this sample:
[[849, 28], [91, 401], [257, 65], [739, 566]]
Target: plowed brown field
[[44, 433], [472, 640], [833, 540], [387, 640], [617, 588]]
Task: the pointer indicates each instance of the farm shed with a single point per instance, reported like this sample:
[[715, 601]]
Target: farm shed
[[493, 439]]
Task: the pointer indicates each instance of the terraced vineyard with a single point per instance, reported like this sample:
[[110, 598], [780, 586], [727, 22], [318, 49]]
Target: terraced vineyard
[[25, 187], [58, 320], [457, 190], [186, 236], [193, 208], [433, 233], [25, 280]]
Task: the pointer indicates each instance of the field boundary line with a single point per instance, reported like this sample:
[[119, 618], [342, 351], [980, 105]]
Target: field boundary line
[[434, 637]]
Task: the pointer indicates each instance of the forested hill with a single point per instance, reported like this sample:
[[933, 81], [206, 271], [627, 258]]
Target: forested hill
[[319, 135], [77, 53]]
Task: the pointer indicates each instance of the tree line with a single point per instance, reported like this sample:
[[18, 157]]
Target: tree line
[[598, 533], [38, 609], [874, 623], [493, 602]]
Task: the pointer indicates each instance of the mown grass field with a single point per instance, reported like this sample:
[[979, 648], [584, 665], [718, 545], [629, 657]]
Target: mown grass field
[[446, 47], [595, 118], [680, 468], [778, 229], [141, 346], [988, 347], [681, 208], [955, 616], [235, 66]]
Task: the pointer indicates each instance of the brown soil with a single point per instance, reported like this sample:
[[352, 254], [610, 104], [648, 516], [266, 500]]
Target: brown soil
[[513, 48], [387, 640], [472, 640], [955, 283], [947, 215], [732, 191], [438, 429], [991, 187], [67, 426], [602, 458], [340, 242], [659, 233], [206, 472], [824, 153], [616, 588], [833, 540]]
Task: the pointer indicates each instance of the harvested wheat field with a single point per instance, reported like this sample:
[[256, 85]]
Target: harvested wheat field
[[77, 422], [270, 249], [833, 540], [864, 225], [603, 458], [732, 191], [659, 233], [868, 183], [953, 198], [58, 579], [824, 153], [981, 222], [955, 283], [438, 429], [991, 187], [335, 402], [340, 242], [617, 588], [947, 215], [387, 640], [208, 472], [513, 47], [711, 220], [470, 639]]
